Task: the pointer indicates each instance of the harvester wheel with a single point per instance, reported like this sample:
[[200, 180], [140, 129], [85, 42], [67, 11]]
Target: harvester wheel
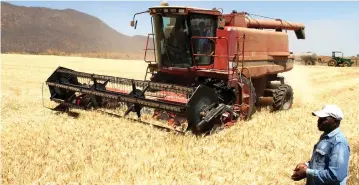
[[283, 97], [310, 62], [332, 62]]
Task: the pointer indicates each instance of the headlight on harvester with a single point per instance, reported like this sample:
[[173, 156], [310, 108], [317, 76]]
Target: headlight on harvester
[[180, 10]]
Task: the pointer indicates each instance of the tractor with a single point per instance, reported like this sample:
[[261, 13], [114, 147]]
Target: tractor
[[209, 69], [339, 60]]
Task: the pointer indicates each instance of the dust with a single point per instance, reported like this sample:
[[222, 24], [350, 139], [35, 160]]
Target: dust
[[299, 79]]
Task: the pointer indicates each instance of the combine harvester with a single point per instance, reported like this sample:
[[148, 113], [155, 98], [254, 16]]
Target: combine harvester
[[309, 58], [210, 69]]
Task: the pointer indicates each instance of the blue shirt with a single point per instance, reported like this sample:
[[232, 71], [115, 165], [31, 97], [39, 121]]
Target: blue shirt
[[204, 41], [330, 160]]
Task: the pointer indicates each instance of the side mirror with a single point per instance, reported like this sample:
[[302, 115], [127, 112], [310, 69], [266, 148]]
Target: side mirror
[[133, 24]]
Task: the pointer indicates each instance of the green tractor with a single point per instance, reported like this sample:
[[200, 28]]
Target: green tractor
[[339, 60]]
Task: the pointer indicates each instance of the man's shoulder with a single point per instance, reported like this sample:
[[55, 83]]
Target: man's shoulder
[[340, 138]]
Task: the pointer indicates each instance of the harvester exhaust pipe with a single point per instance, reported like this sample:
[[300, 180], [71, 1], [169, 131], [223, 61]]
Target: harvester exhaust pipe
[[164, 3]]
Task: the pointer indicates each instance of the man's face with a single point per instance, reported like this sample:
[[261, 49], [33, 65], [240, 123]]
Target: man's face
[[326, 124]]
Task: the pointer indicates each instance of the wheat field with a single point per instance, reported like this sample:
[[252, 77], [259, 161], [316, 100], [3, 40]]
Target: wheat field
[[43, 147]]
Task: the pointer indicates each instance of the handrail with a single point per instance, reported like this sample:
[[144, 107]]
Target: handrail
[[210, 38], [238, 40], [237, 53], [154, 50]]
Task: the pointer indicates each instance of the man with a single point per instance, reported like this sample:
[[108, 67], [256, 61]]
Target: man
[[204, 46], [177, 44], [330, 158], [178, 35], [204, 32]]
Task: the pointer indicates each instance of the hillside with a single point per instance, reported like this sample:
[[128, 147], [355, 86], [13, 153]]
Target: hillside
[[36, 30]]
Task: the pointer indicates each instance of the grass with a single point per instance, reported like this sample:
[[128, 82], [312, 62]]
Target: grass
[[40, 146]]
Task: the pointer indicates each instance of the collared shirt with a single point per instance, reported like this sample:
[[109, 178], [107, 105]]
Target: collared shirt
[[330, 160], [202, 41]]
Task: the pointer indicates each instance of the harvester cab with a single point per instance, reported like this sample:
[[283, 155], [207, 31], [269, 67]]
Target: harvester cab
[[209, 69], [339, 60]]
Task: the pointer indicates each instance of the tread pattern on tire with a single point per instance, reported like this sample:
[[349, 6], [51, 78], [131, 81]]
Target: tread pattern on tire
[[279, 96], [335, 62]]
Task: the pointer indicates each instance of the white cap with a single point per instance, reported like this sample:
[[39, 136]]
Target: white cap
[[330, 110]]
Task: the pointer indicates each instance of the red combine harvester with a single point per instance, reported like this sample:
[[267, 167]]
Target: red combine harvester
[[210, 68]]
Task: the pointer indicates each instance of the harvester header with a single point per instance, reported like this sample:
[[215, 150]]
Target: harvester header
[[210, 68]]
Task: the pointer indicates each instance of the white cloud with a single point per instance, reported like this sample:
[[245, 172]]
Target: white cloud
[[340, 33]]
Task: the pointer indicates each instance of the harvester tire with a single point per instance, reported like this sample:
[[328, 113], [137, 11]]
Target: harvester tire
[[282, 97], [332, 62], [310, 62]]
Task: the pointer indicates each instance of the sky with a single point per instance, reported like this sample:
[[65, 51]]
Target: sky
[[330, 26]]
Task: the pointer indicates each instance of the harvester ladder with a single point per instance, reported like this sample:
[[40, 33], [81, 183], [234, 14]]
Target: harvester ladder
[[245, 90], [152, 65], [146, 49]]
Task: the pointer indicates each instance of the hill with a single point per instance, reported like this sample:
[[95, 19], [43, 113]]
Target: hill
[[37, 30]]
